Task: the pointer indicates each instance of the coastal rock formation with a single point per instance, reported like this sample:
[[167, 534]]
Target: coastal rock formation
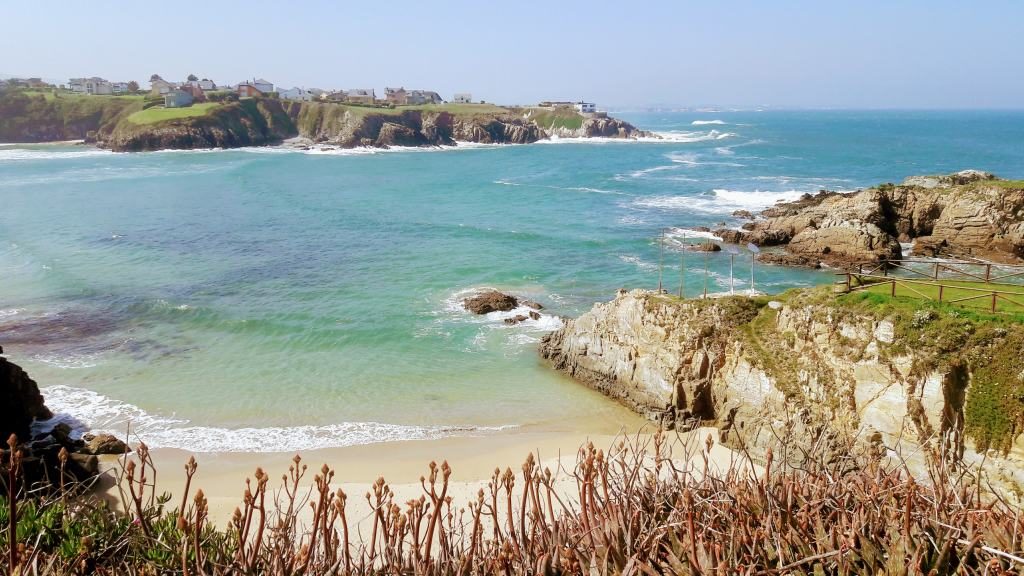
[[490, 301], [810, 369], [38, 118], [20, 401], [255, 122], [969, 213]]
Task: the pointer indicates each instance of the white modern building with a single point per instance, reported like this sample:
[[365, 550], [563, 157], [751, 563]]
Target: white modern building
[[463, 98], [585, 107], [92, 85]]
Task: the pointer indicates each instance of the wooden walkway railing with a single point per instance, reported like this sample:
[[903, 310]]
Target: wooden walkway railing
[[969, 270], [992, 296]]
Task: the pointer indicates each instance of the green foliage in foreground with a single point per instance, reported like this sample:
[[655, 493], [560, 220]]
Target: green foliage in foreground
[[652, 502]]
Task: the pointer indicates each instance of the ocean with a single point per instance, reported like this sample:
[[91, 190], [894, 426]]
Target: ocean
[[270, 300]]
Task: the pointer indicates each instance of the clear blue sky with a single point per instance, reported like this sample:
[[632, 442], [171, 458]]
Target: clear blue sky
[[905, 54]]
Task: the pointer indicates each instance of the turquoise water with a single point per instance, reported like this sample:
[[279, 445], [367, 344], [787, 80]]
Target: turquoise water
[[270, 299]]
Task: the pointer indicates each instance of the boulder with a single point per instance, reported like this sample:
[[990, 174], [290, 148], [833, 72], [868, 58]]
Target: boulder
[[20, 401], [846, 242], [534, 315], [531, 304], [515, 319], [745, 214], [490, 301], [708, 246], [105, 444]]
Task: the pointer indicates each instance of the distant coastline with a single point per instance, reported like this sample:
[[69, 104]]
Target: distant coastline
[[126, 124]]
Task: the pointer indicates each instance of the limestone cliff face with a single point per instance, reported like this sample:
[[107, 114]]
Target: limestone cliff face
[[806, 369], [599, 128], [967, 213], [349, 127]]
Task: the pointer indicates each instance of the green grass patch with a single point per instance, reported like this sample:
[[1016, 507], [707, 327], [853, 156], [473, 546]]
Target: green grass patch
[[154, 115], [555, 118], [981, 293]]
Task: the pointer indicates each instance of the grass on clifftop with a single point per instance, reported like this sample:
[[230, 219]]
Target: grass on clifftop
[[1012, 303], [154, 115], [555, 118]]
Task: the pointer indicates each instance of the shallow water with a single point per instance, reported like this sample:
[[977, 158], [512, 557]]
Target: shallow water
[[268, 299]]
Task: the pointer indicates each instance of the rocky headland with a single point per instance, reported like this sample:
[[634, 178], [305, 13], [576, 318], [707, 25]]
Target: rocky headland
[[969, 213], [810, 367], [120, 124]]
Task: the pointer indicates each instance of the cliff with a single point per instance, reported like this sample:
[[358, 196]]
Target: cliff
[[968, 213], [120, 123], [810, 367], [352, 126], [252, 122], [48, 118]]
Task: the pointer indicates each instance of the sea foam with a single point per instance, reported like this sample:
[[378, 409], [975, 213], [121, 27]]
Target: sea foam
[[89, 410]]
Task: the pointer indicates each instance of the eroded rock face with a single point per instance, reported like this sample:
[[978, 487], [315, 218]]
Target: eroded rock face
[[20, 401], [809, 373], [969, 213]]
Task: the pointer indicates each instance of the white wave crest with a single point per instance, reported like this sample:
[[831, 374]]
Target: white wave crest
[[707, 122], [685, 137], [681, 235], [98, 413], [566, 188], [41, 153], [720, 201]]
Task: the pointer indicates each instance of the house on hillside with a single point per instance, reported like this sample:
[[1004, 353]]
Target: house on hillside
[[248, 90], [92, 85], [585, 107], [206, 85], [334, 96], [463, 98], [296, 95], [263, 86], [178, 99], [159, 86], [119, 87], [396, 96], [416, 97], [361, 96], [316, 93]]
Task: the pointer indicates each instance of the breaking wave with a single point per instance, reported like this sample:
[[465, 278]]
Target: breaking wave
[[88, 410]]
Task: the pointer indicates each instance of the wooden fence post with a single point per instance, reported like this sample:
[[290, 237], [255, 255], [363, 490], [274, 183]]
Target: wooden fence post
[[893, 293], [994, 295], [988, 272], [940, 292]]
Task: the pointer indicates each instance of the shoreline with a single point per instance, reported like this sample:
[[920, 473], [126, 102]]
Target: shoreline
[[473, 461]]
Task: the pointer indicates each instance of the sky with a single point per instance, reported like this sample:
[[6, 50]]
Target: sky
[[672, 53]]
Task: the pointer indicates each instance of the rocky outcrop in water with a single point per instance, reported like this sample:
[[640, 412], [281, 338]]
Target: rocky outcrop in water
[[490, 301], [968, 213], [808, 370]]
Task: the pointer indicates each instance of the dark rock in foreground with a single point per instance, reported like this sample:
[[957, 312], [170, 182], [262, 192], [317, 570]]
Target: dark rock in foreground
[[20, 401]]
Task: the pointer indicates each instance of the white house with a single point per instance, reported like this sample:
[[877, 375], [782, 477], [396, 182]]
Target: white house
[[463, 98], [585, 107], [92, 85], [296, 95], [206, 85], [119, 87]]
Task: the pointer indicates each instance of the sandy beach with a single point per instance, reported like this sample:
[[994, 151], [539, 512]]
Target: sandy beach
[[402, 464]]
